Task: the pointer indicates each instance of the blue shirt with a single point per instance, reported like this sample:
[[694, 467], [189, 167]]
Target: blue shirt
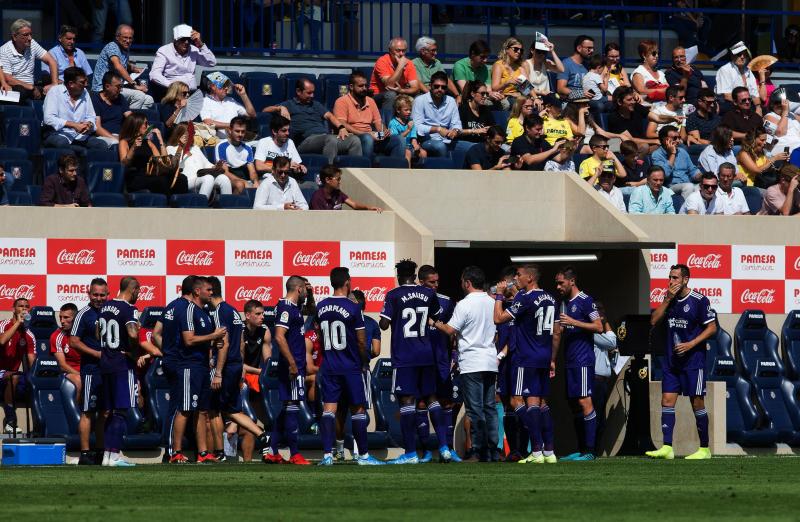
[[681, 172], [408, 308], [308, 119], [573, 73], [578, 342], [427, 114], [226, 316], [62, 60], [643, 202], [373, 331], [170, 332], [116, 348], [59, 109], [288, 317], [686, 319], [194, 320], [104, 64], [534, 315], [339, 319], [4, 188], [398, 127], [440, 341], [85, 327]]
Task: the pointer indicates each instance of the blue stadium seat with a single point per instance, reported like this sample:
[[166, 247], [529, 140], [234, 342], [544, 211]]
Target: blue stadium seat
[[501, 118], [776, 396], [25, 133], [38, 108], [43, 324], [314, 164], [20, 199], [754, 341], [753, 197], [17, 111], [251, 194], [264, 118], [20, 171], [135, 438], [157, 391], [389, 162], [307, 193], [438, 163], [234, 201], [150, 315], [336, 85], [210, 152], [790, 342], [792, 90], [13, 153], [55, 409], [677, 201], [109, 200], [459, 156], [189, 200], [319, 85], [35, 191], [386, 408], [146, 199], [356, 162], [102, 155], [51, 156], [106, 177], [265, 89]]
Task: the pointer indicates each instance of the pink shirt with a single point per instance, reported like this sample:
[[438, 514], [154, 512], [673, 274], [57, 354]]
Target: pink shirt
[[169, 66]]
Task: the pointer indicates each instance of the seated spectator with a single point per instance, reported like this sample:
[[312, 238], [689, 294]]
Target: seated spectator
[[16, 342], [436, 118], [393, 74], [652, 197], [782, 125], [66, 54], [602, 159], [178, 60], [219, 108], [426, 64], [556, 125], [115, 56], [508, 72], [5, 186], [474, 68], [765, 85], [360, 116], [69, 112], [595, 82], [237, 154], [138, 142], [630, 117], [790, 47], [743, 118], [474, 111], [719, 151], [635, 166], [704, 119], [17, 60], [570, 81], [683, 75], [649, 82], [617, 77], [531, 148], [681, 174], [735, 202], [562, 162], [69, 359], [202, 176], [3, 84], [584, 126], [278, 190], [670, 112], [174, 100], [111, 109], [609, 191], [523, 107], [310, 125], [402, 125], [65, 189], [736, 74], [704, 201], [330, 196], [279, 144], [538, 65], [783, 198], [755, 168], [490, 154]]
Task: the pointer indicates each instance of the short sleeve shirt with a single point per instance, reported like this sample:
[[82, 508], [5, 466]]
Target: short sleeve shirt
[[523, 145], [385, 67]]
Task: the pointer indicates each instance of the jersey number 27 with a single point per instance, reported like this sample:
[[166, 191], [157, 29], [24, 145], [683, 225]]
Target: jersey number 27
[[412, 328]]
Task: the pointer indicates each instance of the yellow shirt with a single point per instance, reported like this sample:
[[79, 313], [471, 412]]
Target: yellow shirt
[[751, 176], [506, 76], [588, 167], [554, 129], [513, 130]]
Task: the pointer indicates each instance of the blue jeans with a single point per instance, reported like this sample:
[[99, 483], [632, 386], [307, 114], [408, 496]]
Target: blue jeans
[[122, 13], [314, 29], [478, 389], [56, 140], [391, 146], [438, 148]]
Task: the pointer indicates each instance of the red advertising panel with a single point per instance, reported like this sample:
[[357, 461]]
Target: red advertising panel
[[706, 261], [152, 290], [792, 262], [760, 295], [186, 257], [76, 256], [240, 289], [658, 291], [310, 258], [375, 290], [14, 286]]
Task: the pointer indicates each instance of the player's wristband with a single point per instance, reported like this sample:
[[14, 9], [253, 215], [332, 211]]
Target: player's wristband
[[499, 297], [501, 356]]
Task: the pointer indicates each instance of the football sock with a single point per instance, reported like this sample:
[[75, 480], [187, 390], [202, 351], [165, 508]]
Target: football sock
[[701, 418], [547, 430], [521, 413], [263, 441], [327, 430], [359, 422], [590, 427], [114, 431], [580, 431], [439, 423], [423, 428], [10, 413], [408, 420], [510, 427], [534, 416], [449, 418], [277, 428], [292, 429], [339, 445], [668, 424]]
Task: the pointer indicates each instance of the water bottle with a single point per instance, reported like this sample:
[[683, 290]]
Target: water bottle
[[676, 340], [26, 319]]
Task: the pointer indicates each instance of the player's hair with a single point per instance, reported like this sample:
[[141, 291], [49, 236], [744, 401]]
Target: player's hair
[[620, 93], [727, 165], [277, 123], [406, 270], [251, 305], [216, 286], [339, 277], [705, 92], [67, 160], [506, 272], [683, 268], [98, 281], [187, 284], [475, 275], [708, 175], [69, 307], [198, 282], [66, 29], [280, 161], [361, 298], [596, 140], [327, 172], [673, 90], [533, 269], [127, 282], [532, 120], [17, 300], [479, 47], [238, 120], [425, 271], [568, 271], [738, 90], [293, 282]]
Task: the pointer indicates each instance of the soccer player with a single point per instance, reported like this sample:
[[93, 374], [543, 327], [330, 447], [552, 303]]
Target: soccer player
[[69, 361], [83, 338], [257, 343], [690, 322], [345, 346], [16, 342], [408, 307], [118, 333], [291, 370], [536, 336], [517, 438], [579, 321]]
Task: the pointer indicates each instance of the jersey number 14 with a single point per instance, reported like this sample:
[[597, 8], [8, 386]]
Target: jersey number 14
[[545, 317]]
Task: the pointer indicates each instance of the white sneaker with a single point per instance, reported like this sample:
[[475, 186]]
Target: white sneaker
[[120, 463], [11, 430], [106, 458]]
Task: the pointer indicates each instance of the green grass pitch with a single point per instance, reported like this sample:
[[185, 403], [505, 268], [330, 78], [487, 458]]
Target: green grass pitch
[[765, 488]]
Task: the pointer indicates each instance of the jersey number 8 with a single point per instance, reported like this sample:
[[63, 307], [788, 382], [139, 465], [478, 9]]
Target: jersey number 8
[[109, 334], [334, 335]]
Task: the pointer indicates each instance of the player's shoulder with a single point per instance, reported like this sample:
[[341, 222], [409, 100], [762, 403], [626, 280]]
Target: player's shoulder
[[584, 297], [4, 324], [697, 296], [443, 298]]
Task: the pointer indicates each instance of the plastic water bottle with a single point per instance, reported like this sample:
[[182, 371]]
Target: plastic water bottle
[[26, 319], [676, 340]]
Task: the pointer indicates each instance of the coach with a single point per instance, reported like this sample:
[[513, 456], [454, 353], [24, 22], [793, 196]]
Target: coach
[[473, 324]]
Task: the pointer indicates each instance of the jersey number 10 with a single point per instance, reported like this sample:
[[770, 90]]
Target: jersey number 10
[[334, 335]]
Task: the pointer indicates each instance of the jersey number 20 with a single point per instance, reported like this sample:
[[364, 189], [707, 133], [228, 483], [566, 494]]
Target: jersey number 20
[[109, 334]]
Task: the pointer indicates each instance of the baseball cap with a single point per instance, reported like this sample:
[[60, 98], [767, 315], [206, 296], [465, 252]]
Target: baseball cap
[[218, 79], [181, 31], [739, 47], [550, 100]]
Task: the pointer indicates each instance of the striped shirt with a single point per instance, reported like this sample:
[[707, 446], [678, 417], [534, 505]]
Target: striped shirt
[[20, 66]]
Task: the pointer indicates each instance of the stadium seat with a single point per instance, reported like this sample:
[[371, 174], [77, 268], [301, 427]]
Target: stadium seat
[[157, 391], [438, 163], [251, 194], [35, 191], [500, 118], [210, 152], [247, 408], [792, 90], [776, 396], [790, 342], [264, 118], [319, 85], [43, 324], [677, 201], [753, 197], [390, 162], [754, 341], [109, 200], [336, 85], [150, 315], [189, 200], [13, 153], [105, 176], [459, 156], [386, 409], [146, 199], [356, 162], [234, 201], [265, 89], [17, 111], [307, 193], [20, 171], [38, 108], [102, 155], [135, 437], [51, 155], [25, 133], [314, 164], [55, 410], [20, 199]]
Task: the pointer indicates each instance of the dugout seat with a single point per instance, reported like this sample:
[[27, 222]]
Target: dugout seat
[[106, 176], [386, 408], [754, 341], [55, 410], [157, 393], [233, 201], [135, 438], [790, 341], [247, 408], [272, 405], [150, 315], [776, 396], [43, 324]]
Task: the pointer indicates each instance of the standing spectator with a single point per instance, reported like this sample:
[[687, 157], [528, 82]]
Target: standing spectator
[[436, 118], [490, 154], [393, 74], [16, 343], [202, 176], [652, 198], [635, 167], [474, 68], [571, 80], [508, 72], [704, 119], [426, 64], [672, 112], [614, 196], [755, 168], [403, 126], [310, 12], [736, 74], [538, 65], [531, 148], [476, 117], [278, 190], [178, 60], [66, 54], [704, 201], [630, 117], [617, 77], [685, 76], [648, 81], [237, 154], [680, 171], [115, 56], [743, 118], [733, 197], [122, 13], [69, 112], [175, 99], [330, 196], [783, 198], [790, 47], [719, 151], [17, 60], [524, 107], [279, 144], [219, 109], [111, 109], [65, 189], [360, 116], [138, 142], [603, 344], [69, 360]]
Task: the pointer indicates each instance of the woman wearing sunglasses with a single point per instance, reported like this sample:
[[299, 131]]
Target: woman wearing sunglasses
[[648, 81], [507, 71]]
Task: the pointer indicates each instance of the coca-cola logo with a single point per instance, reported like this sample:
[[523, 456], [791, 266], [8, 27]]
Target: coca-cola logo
[[319, 259], [147, 293], [763, 296], [83, 256], [706, 261], [17, 292], [376, 293], [199, 258], [259, 293], [657, 295], [797, 263]]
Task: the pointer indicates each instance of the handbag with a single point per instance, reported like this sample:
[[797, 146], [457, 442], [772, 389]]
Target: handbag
[[161, 165]]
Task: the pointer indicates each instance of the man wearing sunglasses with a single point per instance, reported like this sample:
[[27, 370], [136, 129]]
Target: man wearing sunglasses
[[178, 60], [574, 69], [736, 74], [704, 201], [436, 118], [704, 119], [743, 117]]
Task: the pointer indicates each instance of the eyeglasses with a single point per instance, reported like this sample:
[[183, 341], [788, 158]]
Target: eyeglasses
[[185, 94], [654, 53], [604, 147], [438, 87], [516, 49], [707, 102], [482, 93], [708, 186], [746, 100]]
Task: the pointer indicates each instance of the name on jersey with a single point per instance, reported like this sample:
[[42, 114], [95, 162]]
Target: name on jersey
[[542, 298], [334, 309], [110, 308], [414, 295]]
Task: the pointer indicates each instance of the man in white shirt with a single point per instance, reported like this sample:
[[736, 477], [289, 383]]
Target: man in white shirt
[[17, 60], [670, 113], [279, 191], [704, 201], [279, 144], [733, 197], [736, 74], [473, 325], [219, 108], [610, 192]]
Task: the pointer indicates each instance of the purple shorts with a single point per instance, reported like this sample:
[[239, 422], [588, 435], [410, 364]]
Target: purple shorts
[[291, 389], [417, 381], [92, 399], [192, 388], [447, 389], [685, 381], [353, 386], [579, 381], [530, 382], [505, 374], [119, 390], [228, 399]]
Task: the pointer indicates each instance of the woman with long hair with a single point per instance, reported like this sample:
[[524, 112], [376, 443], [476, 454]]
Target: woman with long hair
[[753, 161], [612, 58], [202, 175], [719, 151], [138, 142], [173, 101], [507, 70], [649, 82], [476, 117], [522, 107], [538, 64]]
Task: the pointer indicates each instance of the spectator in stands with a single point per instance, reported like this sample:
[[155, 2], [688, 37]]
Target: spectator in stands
[[4, 87], [310, 125], [743, 118], [652, 198], [635, 167], [436, 118], [609, 191], [602, 159], [426, 64], [508, 72], [630, 117], [474, 68], [279, 144], [782, 125], [523, 107], [783, 198], [17, 59], [584, 126], [556, 125], [403, 126], [704, 201], [689, 79], [174, 100], [719, 151], [571, 80], [122, 13], [595, 83], [648, 81], [765, 85], [490, 154], [672, 112], [66, 54], [138, 142], [115, 56], [476, 116], [360, 116], [111, 109], [309, 12], [202, 176], [393, 74], [219, 108], [178, 60], [330, 196], [16, 342], [790, 47], [681, 173], [531, 148], [703, 120], [755, 168], [617, 77], [65, 189], [538, 65], [562, 162], [278, 190], [5, 186], [735, 202], [736, 74], [237, 154], [69, 360], [69, 113]]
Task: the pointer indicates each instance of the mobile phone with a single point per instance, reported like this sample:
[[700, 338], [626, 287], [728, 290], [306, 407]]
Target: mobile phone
[[786, 150], [512, 159], [591, 92]]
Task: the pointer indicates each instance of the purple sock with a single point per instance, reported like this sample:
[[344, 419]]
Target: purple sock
[[590, 428], [10, 413], [292, 428], [408, 421], [667, 424], [277, 431], [701, 418], [510, 427], [423, 428], [439, 423], [547, 428], [327, 430], [359, 422], [114, 431], [521, 413], [534, 416], [450, 419]]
